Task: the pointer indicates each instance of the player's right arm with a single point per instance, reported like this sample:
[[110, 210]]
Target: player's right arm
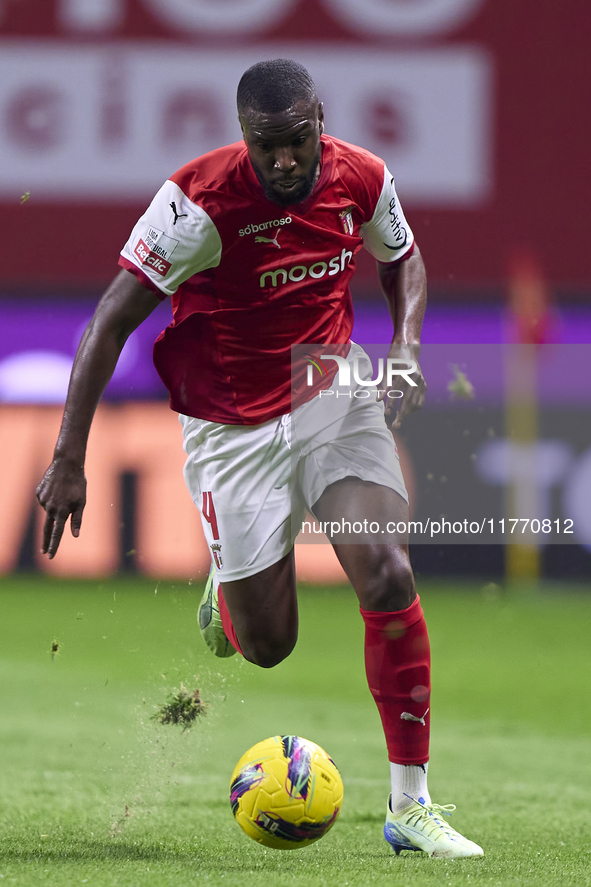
[[174, 239], [62, 491]]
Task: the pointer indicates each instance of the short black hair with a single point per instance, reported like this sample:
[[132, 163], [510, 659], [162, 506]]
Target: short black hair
[[274, 86]]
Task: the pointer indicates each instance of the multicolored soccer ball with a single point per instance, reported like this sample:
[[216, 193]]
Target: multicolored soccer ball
[[286, 792]]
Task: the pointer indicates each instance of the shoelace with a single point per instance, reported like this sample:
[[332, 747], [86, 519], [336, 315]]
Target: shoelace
[[428, 814]]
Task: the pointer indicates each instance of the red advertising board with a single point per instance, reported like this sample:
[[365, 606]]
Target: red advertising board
[[476, 106]]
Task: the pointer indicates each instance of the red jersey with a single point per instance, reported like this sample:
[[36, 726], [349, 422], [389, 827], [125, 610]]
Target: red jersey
[[249, 278]]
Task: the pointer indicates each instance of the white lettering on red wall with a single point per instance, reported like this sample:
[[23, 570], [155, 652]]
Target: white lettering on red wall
[[403, 17], [115, 122]]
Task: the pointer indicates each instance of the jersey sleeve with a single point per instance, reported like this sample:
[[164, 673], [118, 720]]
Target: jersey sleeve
[[174, 239], [387, 235]]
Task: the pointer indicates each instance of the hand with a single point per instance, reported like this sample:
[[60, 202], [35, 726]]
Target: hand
[[62, 492], [413, 396]]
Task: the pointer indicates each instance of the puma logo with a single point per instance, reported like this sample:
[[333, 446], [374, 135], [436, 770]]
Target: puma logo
[[405, 716], [272, 240], [177, 215]]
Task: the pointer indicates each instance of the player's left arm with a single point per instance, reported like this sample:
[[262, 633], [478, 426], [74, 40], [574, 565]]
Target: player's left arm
[[404, 284], [389, 238]]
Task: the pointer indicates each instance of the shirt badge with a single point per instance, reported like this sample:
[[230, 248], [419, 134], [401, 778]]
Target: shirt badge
[[346, 217]]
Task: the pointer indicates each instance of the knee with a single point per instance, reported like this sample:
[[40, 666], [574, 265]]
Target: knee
[[267, 652], [389, 583]]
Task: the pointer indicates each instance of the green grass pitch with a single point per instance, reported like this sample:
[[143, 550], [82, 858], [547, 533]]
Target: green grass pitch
[[94, 791]]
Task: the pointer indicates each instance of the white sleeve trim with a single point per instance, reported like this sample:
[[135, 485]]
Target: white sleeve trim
[[387, 235], [174, 239]]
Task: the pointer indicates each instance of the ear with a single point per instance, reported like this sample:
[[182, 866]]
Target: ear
[[320, 117]]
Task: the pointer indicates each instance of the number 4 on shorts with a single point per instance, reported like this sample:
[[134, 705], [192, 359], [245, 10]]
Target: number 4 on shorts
[[208, 512]]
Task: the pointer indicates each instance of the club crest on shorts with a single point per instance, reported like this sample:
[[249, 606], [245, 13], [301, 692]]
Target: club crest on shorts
[[346, 217], [216, 553]]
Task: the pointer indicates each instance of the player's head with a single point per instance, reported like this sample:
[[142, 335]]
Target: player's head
[[282, 121]]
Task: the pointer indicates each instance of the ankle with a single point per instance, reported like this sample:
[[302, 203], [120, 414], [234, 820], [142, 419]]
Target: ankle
[[409, 785]]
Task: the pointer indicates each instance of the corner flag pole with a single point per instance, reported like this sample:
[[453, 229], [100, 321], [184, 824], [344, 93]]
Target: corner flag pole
[[528, 303]]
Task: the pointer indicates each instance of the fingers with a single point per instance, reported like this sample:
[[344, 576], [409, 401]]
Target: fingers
[[397, 411], [56, 536], [49, 520], [60, 497], [53, 530], [76, 521], [47, 531]]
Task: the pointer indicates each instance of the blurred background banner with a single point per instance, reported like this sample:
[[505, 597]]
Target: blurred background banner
[[64, 141], [475, 105], [472, 103]]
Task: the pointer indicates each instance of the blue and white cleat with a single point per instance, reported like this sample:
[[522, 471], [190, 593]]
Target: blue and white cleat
[[210, 621], [420, 827]]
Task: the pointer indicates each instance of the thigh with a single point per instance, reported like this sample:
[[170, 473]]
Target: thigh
[[366, 524], [240, 479], [344, 435]]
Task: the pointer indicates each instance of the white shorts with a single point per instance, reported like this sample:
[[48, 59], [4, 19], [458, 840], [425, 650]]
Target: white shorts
[[254, 484]]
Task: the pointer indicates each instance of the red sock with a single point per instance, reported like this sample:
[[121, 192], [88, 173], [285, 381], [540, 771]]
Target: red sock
[[398, 668], [227, 622]]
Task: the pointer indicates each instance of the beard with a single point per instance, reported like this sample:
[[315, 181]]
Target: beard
[[301, 191]]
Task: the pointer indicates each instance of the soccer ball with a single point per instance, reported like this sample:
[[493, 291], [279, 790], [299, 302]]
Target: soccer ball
[[286, 792]]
